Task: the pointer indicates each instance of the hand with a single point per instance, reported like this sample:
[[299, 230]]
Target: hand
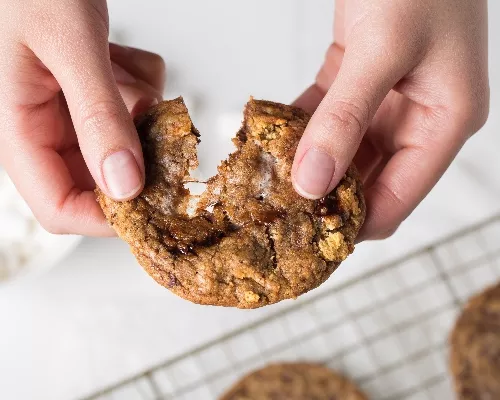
[[65, 104], [403, 86]]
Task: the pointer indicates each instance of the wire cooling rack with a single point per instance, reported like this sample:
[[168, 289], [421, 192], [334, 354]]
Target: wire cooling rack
[[387, 330]]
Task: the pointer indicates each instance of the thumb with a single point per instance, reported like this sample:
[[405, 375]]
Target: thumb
[[79, 59], [335, 130]]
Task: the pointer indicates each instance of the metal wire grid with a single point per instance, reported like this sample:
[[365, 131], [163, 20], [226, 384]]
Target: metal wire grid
[[387, 330]]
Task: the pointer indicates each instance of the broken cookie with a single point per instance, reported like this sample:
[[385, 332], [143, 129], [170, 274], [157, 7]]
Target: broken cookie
[[250, 240]]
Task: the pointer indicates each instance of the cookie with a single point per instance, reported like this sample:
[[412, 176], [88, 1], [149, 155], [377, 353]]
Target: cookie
[[249, 240], [475, 348], [300, 381]]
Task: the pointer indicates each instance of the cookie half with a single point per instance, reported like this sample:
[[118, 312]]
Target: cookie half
[[300, 381], [475, 348], [249, 240]]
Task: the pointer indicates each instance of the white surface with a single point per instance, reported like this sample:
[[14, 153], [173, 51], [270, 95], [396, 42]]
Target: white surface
[[26, 249], [97, 317]]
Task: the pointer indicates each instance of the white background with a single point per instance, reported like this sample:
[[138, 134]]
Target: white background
[[97, 318]]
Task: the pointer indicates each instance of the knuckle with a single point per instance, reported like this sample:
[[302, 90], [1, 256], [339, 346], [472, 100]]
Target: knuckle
[[388, 196], [473, 109], [53, 228], [99, 114], [98, 12], [387, 199], [51, 223], [349, 114], [58, 217], [480, 110], [156, 65], [387, 234], [87, 20], [157, 60], [482, 116]]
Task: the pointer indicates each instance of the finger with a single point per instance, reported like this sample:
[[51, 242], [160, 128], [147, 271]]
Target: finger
[[331, 66], [367, 159], [38, 149], [312, 97], [79, 59], [338, 125], [391, 199], [136, 94], [146, 66], [136, 100], [43, 179], [338, 22], [56, 202]]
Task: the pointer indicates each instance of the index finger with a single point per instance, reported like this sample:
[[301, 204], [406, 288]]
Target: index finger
[[43, 179], [405, 181], [79, 59]]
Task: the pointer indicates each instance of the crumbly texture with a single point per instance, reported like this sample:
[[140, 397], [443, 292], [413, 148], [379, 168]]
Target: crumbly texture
[[299, 381], [251, 240], [475, 348]]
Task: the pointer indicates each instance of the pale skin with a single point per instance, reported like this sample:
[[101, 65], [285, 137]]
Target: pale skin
[[403, 86]]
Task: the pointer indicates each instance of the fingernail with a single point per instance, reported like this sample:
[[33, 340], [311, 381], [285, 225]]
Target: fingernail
[[314, 174], [122, 76], [122, 175]]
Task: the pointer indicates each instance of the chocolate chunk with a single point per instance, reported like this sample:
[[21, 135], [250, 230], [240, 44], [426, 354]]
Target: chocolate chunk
[[172, 280], [327, 206]]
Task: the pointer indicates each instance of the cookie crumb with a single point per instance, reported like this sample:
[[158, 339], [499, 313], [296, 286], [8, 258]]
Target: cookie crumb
[[334, 247], [332, 222], [348, 200], [251, 297]]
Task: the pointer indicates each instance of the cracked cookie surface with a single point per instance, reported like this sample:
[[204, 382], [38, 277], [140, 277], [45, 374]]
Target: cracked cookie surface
[[299, 381], [251, 239], [475, 348]]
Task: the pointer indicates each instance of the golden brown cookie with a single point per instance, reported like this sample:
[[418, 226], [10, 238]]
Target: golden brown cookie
[[300, 381], [251, 240], [475, 348]]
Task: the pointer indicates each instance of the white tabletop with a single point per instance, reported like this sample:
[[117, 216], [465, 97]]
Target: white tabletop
[[97, 317]]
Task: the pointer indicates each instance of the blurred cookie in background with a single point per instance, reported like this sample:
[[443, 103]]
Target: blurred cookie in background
[[295, 381], [475, 348]]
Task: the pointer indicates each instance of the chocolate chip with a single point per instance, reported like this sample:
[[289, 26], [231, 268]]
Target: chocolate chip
[[242, 135], [195, 132], [326, 206], [273, 248], [186, 249], [172, 280], [268, 217]]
